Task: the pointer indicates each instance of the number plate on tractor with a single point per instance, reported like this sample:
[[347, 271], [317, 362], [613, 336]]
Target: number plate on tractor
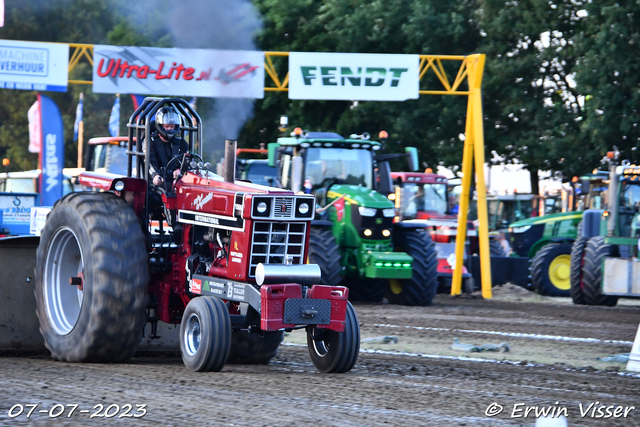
[[307, 311]]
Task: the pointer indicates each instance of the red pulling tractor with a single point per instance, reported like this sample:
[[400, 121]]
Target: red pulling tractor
[[223, 271]]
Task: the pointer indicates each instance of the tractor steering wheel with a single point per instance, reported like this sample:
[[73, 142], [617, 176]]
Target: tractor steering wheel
[[185, 164]]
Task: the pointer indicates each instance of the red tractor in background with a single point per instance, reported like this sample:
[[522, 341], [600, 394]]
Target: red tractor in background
[[425, 198], [231, 270]]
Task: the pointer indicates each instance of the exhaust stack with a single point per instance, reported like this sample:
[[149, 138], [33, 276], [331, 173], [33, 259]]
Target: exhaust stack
[[229, 164]]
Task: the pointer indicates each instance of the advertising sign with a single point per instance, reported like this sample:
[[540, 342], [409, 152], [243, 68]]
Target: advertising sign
[[34, 66], [353, 76], [178, 72], [15, 212], [51, 152]]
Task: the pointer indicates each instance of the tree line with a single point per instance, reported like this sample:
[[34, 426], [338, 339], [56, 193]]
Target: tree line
[[561, 83]]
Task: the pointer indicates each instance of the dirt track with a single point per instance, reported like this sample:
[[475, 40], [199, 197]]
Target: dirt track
[[396, 386]]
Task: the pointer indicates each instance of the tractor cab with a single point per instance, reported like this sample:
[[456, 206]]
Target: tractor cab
[[592, 190], [107, 154], [628, 224], [313, 162], [421, 196], [255, 168]]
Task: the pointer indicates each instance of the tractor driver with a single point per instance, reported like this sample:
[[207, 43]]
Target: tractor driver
[[419, 198], [164, 145]]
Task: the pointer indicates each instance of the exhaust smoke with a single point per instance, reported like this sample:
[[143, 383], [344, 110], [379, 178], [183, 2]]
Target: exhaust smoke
[[217, 24], [209, 24]]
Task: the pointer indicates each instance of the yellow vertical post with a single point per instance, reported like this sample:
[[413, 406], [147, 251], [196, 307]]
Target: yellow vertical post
[[475, 97], [474, 144], [463, 206]]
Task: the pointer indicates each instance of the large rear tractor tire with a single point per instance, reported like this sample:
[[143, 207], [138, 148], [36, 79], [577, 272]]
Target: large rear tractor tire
[[323, 250], [94, 241], [577, 260], [253, 349], [335, 352], [594, 253], [205, 334], [421, 288], [551, 270]]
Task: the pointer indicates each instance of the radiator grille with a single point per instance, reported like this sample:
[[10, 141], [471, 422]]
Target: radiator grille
[[272, 241], [283, 207]]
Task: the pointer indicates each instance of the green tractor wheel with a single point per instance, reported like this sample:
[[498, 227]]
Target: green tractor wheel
[[323, 250], [577, 261], [594, 253], [551, 270], [420, 289]]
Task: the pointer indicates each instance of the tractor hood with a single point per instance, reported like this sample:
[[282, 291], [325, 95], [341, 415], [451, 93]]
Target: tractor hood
[[547, 218], [361, 196]]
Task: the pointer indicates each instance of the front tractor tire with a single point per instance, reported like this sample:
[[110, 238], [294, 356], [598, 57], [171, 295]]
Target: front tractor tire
[[205, 334], [577, 260], [335, 352], [422, 287], [95, 241], [551, 270], [594, 254]]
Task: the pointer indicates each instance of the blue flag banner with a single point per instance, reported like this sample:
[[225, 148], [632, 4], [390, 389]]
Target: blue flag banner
[[76, 125], [114, 120], [51, 152], [137, 100]]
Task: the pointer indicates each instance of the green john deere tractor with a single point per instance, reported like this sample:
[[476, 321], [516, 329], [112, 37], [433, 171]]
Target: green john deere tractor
[[547, 240], [353, 238]]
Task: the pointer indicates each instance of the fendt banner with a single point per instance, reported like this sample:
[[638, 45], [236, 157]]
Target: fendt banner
[[178, 72], [353, 76], [34, 66]]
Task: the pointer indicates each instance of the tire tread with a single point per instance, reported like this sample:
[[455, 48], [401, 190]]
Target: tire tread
[[115, 324]]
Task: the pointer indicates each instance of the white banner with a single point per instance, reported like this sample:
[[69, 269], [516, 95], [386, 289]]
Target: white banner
[[34, 66], [353, 76], [178, 72]]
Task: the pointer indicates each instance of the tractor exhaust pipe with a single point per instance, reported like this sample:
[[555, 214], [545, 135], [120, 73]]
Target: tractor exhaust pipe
[[229, 164], [304, 274]]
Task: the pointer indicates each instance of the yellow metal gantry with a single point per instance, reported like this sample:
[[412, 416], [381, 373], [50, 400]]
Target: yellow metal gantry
[[470, 69]]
